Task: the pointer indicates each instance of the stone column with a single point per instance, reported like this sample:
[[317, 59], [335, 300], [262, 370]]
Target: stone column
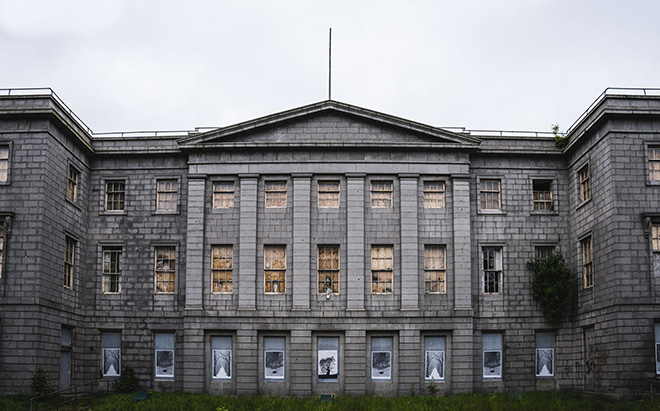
[[301, 240], [355, 241], [247, 260], [410, 273], [462, 243], [195, 243]]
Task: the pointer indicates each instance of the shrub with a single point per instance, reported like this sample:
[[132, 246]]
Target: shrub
[[41, 382], [561, 141], [552, 285], [127, 382]]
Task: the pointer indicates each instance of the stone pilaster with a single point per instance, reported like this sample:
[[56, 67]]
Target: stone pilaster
[[410, 274], [355, 241], [247, 261], [301, 241]]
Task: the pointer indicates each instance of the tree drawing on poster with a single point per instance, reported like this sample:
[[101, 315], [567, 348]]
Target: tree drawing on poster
[[545, 358], [492, 364], [435, 365], [274, 364], [327, 364], [657, 358], [222, 364], [111, 362], [165, 363], [381, 365]]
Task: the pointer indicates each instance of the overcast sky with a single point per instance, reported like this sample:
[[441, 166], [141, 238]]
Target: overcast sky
[[176, 65]]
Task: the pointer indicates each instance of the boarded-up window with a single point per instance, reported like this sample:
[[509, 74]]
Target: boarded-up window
[[328, 269], [585, 184], [490, 195], [542, 193], [382, 269], [167, 195], [328, 194], [434, 269], [381, 194], [434, 194], [274, 269], [165, 268], [222, 268], [587, 263], [275, 194], [223, 194]]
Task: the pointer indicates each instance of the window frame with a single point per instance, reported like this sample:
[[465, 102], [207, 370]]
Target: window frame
[[276, 196], [498, 283], [427, 349], [328, 193], [657, 347], [70, 245], [430, 269], [6, 162], [270, 271], [275, 344], [586, 261], [332, 348], [224, 275], [108, 273], [118, 196], [169, 272], [107, 344], [323, 271], [655, 236], [584, 183], [545, 202], [485, 193], [167, 195], [428, 194], [387, 340], [221, 345], [494, 346], [650, 160], [383, 194], [167, 344], [540, 345], [376, 270], [543, 251], [226, 196], [73, 184]]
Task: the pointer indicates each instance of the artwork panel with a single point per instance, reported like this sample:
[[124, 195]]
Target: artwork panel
[[327, 364], [492, 365], [111, 362], [435, 366], [164, 363], [274, 365], [657, 358], [545, 359], [381, 365], [221, 364]]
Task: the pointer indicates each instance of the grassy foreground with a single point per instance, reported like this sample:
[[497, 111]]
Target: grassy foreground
[[200, 402]]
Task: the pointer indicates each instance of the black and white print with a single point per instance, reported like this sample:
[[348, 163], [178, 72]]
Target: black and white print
[[274, 365], [657, 358], [327, 366], [435, 365], [164, 363], [381, 365], [493, 364], [111, 362], [222, 364], [545, 362]]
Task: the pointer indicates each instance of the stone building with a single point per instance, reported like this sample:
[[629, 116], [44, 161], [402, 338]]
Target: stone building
[[327, 249]]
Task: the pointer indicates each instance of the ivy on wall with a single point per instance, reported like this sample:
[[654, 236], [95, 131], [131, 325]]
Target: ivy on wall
[[552, 285]]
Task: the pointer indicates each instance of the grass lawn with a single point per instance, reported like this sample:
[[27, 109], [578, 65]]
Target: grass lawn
[[201, 402]]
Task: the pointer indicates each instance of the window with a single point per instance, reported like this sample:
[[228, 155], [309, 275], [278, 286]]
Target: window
[[542, 194], [382, 269], [72, 186], [167, 195], [492, 269], [221, 354], [274, 269], [111, 354], [381, 358], [114, 195], [381, 194], [490, 195], [222, 268], [274, 358], [328, 194], [434, 358], [164, 355], [655, 236], [223, 194], [491, 347], [657, 348], [275, 194], [434, 269], [328, 359], [654, 163], [434, 194], [4, 164], [328, 269], [165, 268], [545, 354], [69, 261], [112, 270], [585, 185], [544, 252], [2, 248], [587, 263]]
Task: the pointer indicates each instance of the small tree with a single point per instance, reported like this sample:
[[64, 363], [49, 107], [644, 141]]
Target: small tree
[[41, 383], [552, 285], [561, 140], [127, 382]]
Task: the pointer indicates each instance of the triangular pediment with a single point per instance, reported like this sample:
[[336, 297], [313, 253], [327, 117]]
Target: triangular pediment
[[329, 124]]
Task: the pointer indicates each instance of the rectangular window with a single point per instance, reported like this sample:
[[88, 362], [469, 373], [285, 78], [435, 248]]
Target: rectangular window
[[328, 194], [542, 195], [223, 194], [110, 354], [492, 355], [328, 269], [275, 194], [381, 358], [657, 348], [274, 269], [167, 195], [382, 269], [69, 261], [221, 355], [587, 263], [381, 194], [274, 358], [655, 236], [434, 269], [72, 186], [222, 268], [328, 359], [114, 195], [490, 195], [492, 270], [654, 164], [544, 252], [434, 194], [165, 269], [164, 355], [545, 354], [585, 185], [434, 358], [112, 270], [4, 164]]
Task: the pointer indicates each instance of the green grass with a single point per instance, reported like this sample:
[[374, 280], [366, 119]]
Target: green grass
[[199, 402]]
